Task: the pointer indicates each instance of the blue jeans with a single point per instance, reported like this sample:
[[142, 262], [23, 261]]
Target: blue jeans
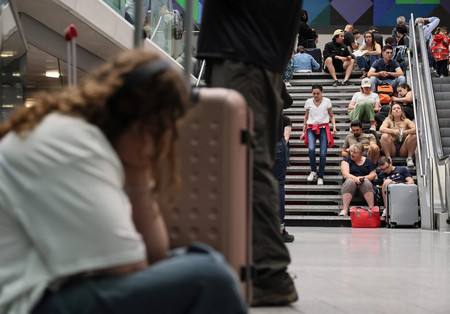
[[375, 81], [193, 280], [323, 142], [363, 64], [279, 171]]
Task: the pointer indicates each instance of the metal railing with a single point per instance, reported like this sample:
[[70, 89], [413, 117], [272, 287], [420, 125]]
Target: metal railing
[[429, 146]]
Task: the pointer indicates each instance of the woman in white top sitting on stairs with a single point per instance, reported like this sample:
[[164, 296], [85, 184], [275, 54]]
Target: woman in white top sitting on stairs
[[364, 104], [318, 114]]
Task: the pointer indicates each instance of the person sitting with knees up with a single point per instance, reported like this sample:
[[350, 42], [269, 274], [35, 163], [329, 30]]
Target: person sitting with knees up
[[399, 135], [337, 58], [318, 114], [371, 52], [369, 142], [364, 104], [386, 70], [357, 172], [93, 161], [391, 175]]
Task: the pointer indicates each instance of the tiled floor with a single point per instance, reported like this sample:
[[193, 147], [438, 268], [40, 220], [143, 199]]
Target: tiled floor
[[344, 270]]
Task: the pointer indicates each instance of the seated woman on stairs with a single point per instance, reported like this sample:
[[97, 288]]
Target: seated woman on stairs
[[357, 173], [399, 135], [371, 52], [318, 114], [364, 104]]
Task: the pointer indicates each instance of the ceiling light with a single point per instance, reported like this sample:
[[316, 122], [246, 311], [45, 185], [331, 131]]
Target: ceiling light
[[54, 74], [5, 54], [16, 74]]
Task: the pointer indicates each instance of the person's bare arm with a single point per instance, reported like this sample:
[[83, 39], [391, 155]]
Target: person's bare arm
[[351, 105], [406, 99], [333, 120], [398, 72], [372, 73], [287, 132], [409, 180], [135, 149]]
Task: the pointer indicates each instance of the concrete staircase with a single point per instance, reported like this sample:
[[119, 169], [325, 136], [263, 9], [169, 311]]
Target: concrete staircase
[[308, 204]]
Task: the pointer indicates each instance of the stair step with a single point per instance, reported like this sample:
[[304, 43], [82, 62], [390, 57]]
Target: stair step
[[302, 178], [308, 168], [332, 95], [335, 103], [304, 150], [312, 187], [313, 197], [326, 89], [302, 110], [313, 208], [307, 217]]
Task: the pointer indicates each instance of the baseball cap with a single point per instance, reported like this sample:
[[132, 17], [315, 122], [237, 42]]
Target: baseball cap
[[365, 82], [337, 32]]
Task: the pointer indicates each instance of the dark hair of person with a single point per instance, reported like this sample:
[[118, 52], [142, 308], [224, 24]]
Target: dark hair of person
[[356, 123], [155, 103], [355, 32], [300, 49], [405, 86], [389, 41], [384, 160], [402, 29], [373, 39], [386, 47], [373, 29], [317, 86]]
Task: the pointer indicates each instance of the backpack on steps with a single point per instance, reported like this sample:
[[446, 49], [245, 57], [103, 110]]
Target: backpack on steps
[[385, 92]]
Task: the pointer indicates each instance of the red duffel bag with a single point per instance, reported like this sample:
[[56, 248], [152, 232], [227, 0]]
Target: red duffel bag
[[365, 217]]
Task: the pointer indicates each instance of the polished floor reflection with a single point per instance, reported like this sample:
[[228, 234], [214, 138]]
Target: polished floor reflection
[[344, 270]]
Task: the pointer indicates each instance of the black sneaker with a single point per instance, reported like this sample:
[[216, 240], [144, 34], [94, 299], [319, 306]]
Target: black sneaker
[[336, 83], [345, 83], [287, 238], [280, 294]]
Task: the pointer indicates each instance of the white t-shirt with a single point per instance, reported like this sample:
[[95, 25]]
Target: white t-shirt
[[318, 115], [360, 97], [63, 210]]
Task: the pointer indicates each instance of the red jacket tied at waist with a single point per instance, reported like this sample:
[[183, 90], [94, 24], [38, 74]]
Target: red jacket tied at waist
[[316, 129]]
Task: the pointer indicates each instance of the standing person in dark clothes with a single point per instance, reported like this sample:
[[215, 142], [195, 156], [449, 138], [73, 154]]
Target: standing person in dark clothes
[[244, 54], [305, 33], [279, 171]]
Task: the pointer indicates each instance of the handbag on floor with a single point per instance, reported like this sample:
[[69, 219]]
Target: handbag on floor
[[363, 217]]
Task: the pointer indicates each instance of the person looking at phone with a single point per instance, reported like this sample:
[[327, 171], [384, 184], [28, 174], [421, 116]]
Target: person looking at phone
[[357, 173]]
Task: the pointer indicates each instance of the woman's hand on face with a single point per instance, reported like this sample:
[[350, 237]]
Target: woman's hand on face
[[135, 147]]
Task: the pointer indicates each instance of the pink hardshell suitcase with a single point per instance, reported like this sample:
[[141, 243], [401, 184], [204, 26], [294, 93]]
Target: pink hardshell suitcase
[[214, 205]]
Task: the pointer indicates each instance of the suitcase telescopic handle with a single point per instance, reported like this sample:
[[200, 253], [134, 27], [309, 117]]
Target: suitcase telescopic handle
[[70, 35]]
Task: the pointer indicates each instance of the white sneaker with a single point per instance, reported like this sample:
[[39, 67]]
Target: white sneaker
[[312, 176], [373, 128], [343, 213], [319, 181], [409, 162], [288, 84]]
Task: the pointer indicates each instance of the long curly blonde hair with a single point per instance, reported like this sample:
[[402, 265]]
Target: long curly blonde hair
[[155, 103]]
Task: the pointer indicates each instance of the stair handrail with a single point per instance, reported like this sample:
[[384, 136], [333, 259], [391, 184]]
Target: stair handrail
[[433, 122], [430, 141]]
